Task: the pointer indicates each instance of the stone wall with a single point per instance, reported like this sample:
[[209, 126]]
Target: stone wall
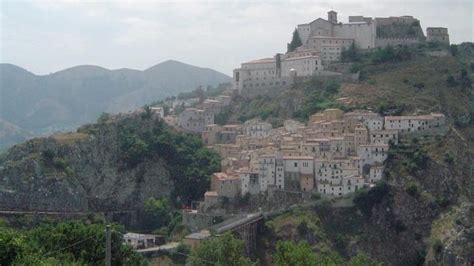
[[383, 42]]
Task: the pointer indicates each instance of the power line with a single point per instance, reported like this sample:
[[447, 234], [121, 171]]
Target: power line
[[71, 245], [191, 256]]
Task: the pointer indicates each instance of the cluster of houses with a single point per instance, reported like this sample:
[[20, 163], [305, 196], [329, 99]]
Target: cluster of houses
[[195, 119], [336, 153]]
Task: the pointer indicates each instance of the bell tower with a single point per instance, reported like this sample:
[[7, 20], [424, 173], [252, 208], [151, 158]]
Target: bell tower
[[332, 16]]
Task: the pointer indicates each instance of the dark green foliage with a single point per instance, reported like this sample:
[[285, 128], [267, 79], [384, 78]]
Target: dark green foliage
[[399, 226], [104, 117], [442, 201], [451, 81], [454, 49], [390, 54], [12, 245], [295, 41], [147, 113], [60, 164], [179, 256], [156, 213], [419, 85], [448, 158], [319, 96], [389, 107], [438, 246], [351, 54], [222, 251], [366, 199], [464, 79], [289, 253], [70, 242], [48, 156], [223, 117], [413, 190], [412, 156], [189, 162]]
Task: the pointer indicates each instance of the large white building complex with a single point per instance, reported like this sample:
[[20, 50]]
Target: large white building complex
[[323, 41]]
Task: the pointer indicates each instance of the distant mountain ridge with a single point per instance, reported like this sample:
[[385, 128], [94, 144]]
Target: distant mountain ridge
[[37, 104]]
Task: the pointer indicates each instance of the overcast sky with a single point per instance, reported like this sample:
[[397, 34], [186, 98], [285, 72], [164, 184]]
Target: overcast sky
[[47, 36]]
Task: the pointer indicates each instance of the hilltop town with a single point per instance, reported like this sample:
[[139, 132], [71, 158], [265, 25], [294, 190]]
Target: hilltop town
[[354, 157], [334, 153]]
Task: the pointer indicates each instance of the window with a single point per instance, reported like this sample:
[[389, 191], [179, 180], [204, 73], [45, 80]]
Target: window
[[295, 164]]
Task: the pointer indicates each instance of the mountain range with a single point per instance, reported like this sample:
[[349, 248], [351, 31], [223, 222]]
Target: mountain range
[[32, 105]]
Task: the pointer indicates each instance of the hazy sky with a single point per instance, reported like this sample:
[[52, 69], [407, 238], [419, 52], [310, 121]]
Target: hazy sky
[[47, 36]]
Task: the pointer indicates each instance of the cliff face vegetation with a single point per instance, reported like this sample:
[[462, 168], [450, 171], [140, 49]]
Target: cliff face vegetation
[[116, 164]]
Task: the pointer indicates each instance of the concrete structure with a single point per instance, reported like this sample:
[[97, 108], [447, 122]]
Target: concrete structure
[[225, 185], [193, 240], [437, 34], [266, 171], [195, 120], [158, 110], [142, 241], [420, 124], [256, 129], [323, 41], [249, 181], [336, 153]]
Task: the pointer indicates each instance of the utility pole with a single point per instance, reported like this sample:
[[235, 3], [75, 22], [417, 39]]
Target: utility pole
[[108, 246]]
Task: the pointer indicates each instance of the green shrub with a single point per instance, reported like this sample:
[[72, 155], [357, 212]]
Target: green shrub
[[365, 199], [438, 246], [448, 158], [412, 190], [60, 164]]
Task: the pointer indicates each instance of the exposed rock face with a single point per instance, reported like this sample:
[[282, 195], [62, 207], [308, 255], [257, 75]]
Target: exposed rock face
[[457, 245], [84, 173]]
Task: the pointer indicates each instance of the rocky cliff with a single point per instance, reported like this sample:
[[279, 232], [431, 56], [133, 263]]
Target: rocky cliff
[[91, 170]]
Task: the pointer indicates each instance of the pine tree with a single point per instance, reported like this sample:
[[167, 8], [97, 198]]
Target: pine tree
[[295, 41]]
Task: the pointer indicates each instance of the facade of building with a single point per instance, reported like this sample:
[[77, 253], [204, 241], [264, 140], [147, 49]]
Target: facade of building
[[195, 120], [437, 34]]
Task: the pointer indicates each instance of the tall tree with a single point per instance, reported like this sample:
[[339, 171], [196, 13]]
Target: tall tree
[[295, 41], [222, 250]]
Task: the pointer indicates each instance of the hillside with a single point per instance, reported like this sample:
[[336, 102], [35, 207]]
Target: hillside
[[423, 212], [77, 95], [116, 164]]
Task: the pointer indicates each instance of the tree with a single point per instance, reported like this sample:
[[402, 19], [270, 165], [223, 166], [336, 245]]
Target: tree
[[351, 54], [66, 243], [454, 50], [12, 244], [103, 118], [157, 213], [295, 41], [289, 253], [221, 250]]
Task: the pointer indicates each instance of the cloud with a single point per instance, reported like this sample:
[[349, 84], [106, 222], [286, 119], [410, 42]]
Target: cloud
[[216, 34]]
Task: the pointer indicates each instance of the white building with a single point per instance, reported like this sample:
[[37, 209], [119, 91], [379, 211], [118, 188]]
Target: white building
[[386, 136], [266, 171], [275, 72], [256, 129], [249, 182], [372, 153], [298, 173], [158, 110], [427, 124]]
